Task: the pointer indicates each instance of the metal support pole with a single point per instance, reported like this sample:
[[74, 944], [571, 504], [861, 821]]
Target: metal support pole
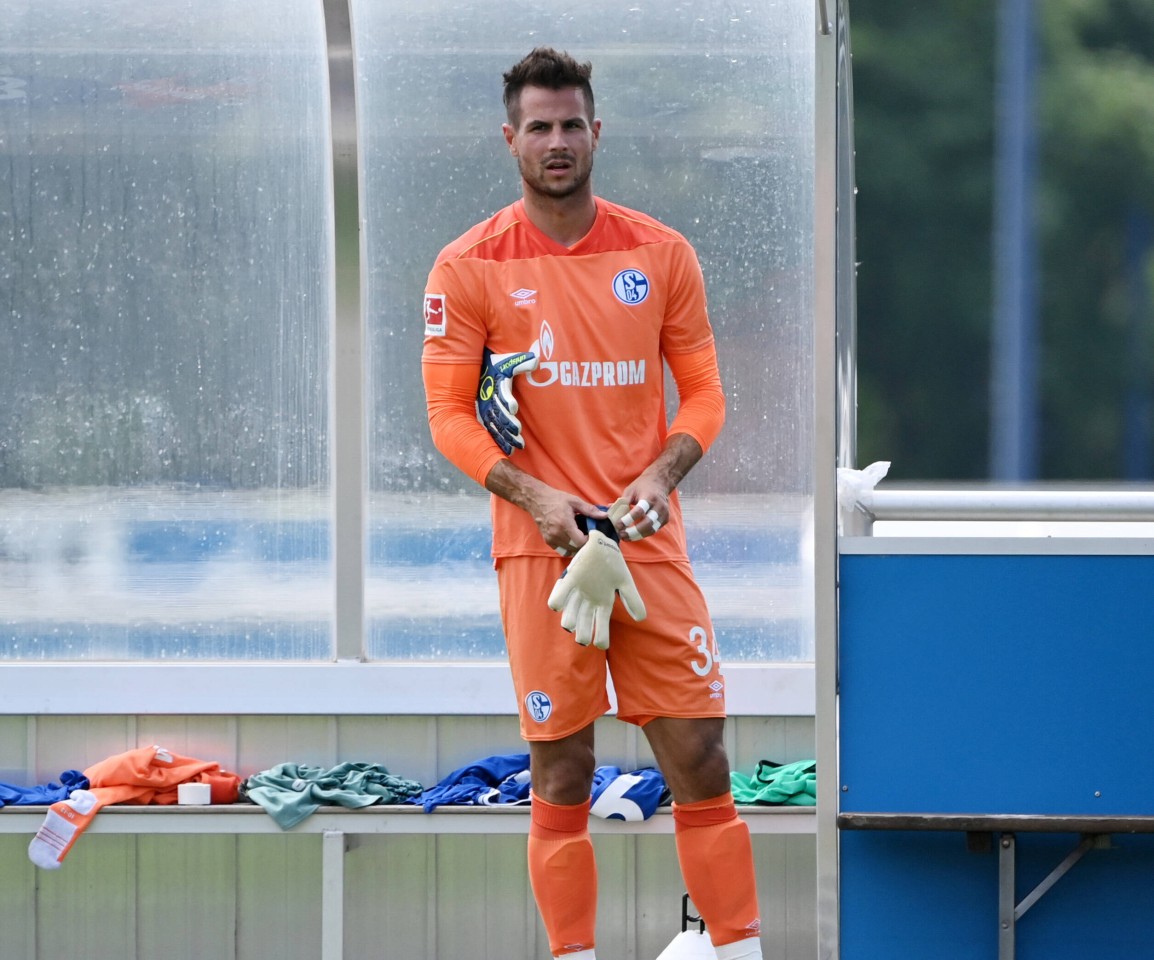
[[1006, 896], [1088, 843], [332, 895], [826, 221], [1013, 376], [348, 373]]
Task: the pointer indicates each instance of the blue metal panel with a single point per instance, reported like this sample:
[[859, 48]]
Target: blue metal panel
[[994, 684], [997, 684], [923, 895]]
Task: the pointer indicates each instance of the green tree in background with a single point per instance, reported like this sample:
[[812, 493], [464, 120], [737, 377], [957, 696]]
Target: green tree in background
[[924, 90]]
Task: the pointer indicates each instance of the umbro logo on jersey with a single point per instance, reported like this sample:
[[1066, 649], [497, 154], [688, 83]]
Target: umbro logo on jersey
[[524, 297]]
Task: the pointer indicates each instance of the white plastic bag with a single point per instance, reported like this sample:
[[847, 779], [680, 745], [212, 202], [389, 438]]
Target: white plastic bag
[[854, 488], [689, 945]]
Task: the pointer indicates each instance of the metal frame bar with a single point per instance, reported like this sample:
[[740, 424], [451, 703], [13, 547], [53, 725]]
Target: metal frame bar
[[250, 819], [332, 895], [333, 689], [1033, 504], [1007, 871], [833, 324], [995, 546], [1085, 846], [348, 389]]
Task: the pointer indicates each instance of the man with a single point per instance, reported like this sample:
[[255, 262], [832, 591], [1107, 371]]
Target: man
[[604, 295]]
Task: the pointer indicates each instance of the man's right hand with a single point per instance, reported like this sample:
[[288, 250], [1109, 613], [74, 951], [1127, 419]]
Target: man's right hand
[[554, 511], [496, 406]]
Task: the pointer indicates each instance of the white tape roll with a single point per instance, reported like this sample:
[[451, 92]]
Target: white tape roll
[[193, 794]]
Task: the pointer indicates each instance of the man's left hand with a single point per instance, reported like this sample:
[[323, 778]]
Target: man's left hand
[[643, 518]]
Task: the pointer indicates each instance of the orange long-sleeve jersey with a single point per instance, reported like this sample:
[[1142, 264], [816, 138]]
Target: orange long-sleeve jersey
[[604, 316]]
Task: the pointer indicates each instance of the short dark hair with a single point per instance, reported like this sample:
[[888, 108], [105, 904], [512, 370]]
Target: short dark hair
[[546, 67]]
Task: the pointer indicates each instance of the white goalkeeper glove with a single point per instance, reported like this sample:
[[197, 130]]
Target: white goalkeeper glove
[[496, 406], [590, 585]]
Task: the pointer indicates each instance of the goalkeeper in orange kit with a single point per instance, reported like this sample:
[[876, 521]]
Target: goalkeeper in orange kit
[[571, 306]]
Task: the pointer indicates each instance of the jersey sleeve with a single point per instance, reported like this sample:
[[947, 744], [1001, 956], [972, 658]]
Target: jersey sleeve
[[450, 367], [701, 410], [454, 314], [686, 326], [450, 389]]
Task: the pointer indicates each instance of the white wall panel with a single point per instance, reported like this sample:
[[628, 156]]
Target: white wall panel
[[186, 903], [204, 738], [799, 927], [461, 740], [780, 739], [390, 903], [14, 760], [278, 897], [18, 901], [90, 902], [263, 742], [63, 743], [407, 746], [481, 897]]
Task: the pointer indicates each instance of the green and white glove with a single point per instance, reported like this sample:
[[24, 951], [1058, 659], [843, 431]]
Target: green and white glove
[[590, 585]]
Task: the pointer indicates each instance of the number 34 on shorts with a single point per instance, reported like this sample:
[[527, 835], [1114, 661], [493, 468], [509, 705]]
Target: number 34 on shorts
[[707, 648]]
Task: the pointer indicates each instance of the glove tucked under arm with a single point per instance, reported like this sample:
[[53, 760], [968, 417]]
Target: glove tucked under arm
[[588, 588], [496, 406]]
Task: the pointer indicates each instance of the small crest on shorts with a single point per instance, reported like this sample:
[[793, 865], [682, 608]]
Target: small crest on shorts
[[539, 705]]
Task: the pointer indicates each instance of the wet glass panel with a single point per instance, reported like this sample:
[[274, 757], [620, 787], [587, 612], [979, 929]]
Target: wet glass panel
[[165, 288], [709, 125]]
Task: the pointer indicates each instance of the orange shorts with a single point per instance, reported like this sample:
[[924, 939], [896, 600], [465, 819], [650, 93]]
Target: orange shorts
[[665, 666]]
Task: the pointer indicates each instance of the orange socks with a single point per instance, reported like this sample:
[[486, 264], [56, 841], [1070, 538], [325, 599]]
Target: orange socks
[[716, 858], [563, 874]]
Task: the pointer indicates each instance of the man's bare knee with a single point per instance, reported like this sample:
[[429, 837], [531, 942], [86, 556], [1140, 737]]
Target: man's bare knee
[[562, 770], [691, 755]]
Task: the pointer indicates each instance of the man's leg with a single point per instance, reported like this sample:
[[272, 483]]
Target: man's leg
[[713, 845], [562, 869]]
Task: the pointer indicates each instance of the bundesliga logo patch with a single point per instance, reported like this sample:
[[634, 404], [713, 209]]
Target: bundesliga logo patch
[[435, 319]]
